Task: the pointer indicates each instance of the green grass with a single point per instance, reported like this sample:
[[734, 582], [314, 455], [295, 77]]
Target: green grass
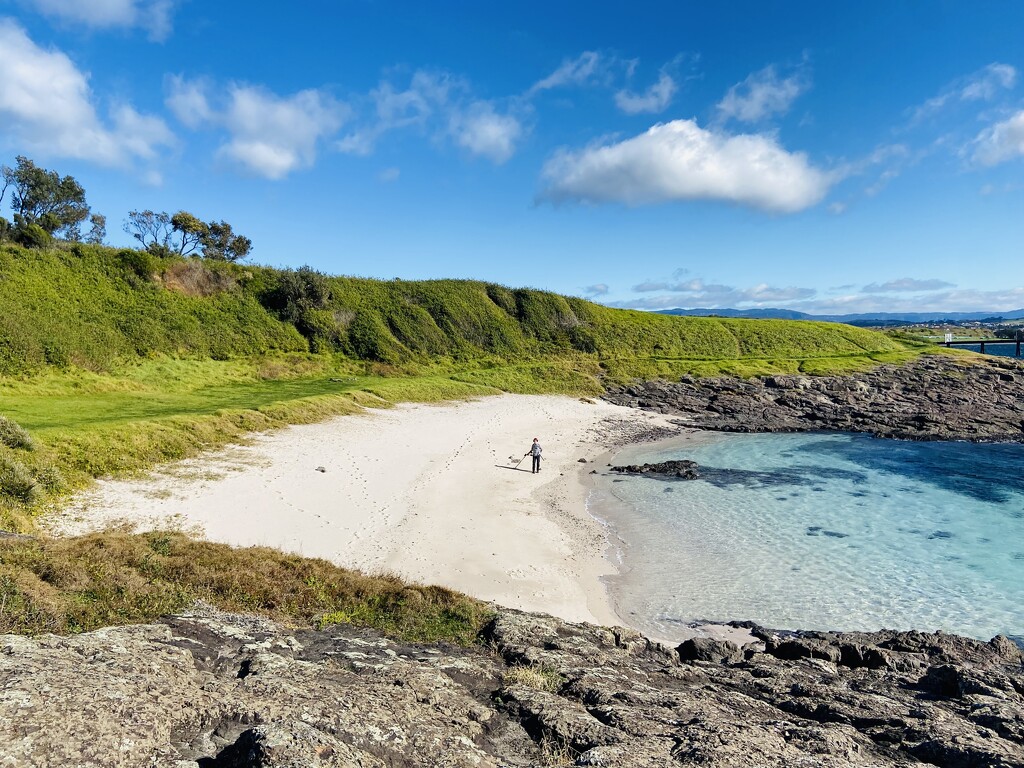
[[79, 584]]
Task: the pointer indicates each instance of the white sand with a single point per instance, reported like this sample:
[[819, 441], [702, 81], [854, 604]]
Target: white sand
[[423, 491]]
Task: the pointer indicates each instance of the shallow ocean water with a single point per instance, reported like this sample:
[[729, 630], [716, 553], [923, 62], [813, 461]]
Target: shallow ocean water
[[822, 531]]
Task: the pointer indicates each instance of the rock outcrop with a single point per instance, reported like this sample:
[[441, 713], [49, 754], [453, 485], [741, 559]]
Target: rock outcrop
[[932, 398], [680, 469], [213, 690]]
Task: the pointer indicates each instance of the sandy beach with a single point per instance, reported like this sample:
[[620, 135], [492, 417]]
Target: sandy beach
[[428, 492]]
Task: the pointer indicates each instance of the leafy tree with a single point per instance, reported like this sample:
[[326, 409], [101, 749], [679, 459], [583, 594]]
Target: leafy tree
[[192, 232], [153, 230], [41, 197], [98, 230], [222, 244]]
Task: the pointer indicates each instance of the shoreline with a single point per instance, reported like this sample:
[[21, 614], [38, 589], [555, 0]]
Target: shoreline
[[426, 492]]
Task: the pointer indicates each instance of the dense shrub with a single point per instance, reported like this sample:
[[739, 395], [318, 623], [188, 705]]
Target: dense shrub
[[32, 236], [17, 482], [141, 264], [13, 435]]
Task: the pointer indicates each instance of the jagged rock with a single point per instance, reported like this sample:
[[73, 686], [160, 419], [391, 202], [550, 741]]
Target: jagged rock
[[707, 649], [213, 690], [932, 398]]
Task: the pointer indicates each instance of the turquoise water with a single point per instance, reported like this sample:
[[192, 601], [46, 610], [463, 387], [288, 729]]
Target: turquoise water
[[817, 531]]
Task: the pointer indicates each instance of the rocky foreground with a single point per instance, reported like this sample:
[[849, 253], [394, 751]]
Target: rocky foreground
[[216, 690], [934, 398]]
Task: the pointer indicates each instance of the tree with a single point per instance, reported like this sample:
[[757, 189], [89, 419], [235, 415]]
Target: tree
[[222, 244], [153, 230], [98, 230], [43, 198], [191, 232]]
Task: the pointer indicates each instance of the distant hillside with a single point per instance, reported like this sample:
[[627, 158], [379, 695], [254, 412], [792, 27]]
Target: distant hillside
[[864, 318], [91, 306]]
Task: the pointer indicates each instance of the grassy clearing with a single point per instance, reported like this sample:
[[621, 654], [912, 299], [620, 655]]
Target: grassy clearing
[[75, 585]]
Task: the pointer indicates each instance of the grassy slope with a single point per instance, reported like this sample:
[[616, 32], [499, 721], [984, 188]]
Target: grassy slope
[[115, 361]]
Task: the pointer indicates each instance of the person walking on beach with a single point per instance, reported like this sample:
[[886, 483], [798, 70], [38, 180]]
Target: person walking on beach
[[535, 451]]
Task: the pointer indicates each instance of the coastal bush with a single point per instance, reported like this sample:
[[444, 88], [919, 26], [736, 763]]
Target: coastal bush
[[113, 578], [13, 435], [17, 482]]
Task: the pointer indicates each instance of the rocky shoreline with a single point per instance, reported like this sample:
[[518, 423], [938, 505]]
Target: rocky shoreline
[[214, 690], [936, 397]]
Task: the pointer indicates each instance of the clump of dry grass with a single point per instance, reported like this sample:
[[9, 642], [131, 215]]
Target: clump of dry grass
[[536, 676], [112, 578]]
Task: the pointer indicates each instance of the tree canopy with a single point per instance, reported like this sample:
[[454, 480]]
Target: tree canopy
[[42, 198]]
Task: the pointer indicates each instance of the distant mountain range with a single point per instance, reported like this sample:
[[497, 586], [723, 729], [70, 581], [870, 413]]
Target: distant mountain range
[[865, 318]]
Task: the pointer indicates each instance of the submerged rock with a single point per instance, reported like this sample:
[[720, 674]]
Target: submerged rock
[[213, 689], [683, 469]]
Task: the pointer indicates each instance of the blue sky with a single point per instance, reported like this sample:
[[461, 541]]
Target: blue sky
[[652, 155]]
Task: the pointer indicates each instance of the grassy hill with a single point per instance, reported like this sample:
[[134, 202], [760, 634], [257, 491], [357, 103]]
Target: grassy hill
[[96, 308], [114, 360]]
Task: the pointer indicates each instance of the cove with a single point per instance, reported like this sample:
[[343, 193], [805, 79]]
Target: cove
[[821, 531]]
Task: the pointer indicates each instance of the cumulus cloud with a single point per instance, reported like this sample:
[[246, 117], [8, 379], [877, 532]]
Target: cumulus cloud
[[46, 106], [1001, 142], [907, 285], [597, 289], [578, 71], [483, 131], [268, 135], [983, 85], [696, 293], [654, 99], [762, 95], [153, 16], [680, 160]]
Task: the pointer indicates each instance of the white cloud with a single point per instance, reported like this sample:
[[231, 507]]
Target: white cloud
[[960, 300], [154, 16], [437, 103], [576, 71], [762, 95], [597, 289], [268, 135], [188, 101], [698, 294], [389, 174], [1001, 142], [427, 96], [483, 131], [983, 85], [46, 106], [907, 285], [680, 160], [654, 99]]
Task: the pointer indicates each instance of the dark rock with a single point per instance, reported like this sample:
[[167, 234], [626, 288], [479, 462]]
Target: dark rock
[[681, 469], [582, 461], [932, 398], [706, 649]]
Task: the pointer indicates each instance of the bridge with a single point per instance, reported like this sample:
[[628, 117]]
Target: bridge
[[982, 343]]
